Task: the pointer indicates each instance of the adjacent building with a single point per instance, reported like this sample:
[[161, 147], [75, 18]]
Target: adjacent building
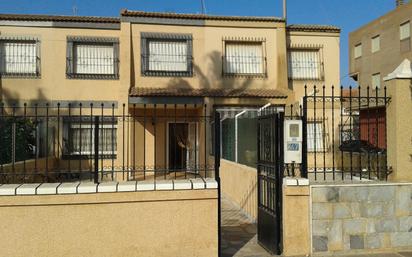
[[378, 47]]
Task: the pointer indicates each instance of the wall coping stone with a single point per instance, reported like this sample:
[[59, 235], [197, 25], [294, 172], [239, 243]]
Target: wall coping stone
[[288, 181], [105, 187], [369, 184]]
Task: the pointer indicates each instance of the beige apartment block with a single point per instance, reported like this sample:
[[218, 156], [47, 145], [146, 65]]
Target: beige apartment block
[[378, 47]]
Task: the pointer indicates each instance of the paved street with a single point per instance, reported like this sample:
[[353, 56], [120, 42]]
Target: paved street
[[239, 237]]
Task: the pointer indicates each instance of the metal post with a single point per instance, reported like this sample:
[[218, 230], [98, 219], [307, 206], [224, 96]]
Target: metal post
[[96, 149], [217, 176], [304, 170]]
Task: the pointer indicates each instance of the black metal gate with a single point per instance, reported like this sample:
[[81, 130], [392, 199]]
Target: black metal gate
[[270, 176]]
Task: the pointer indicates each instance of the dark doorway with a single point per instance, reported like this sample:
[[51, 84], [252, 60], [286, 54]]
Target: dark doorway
[[178, 145]]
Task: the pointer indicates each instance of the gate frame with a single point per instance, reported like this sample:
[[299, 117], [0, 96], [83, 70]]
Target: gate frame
[[278, 164]]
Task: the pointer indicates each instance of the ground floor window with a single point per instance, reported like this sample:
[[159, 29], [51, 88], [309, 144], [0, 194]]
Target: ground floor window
[[79, 137], [316, 135]]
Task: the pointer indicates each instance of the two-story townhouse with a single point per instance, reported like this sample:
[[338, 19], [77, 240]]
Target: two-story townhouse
[[153, 80]]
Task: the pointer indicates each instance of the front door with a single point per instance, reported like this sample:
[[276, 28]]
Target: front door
[[182, 146]]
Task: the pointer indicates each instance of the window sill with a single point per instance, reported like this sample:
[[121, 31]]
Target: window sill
[[245, 75], [19, 76], [93, 76], [167, 73]]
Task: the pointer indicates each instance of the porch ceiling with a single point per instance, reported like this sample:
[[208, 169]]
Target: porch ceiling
[[204, 92]]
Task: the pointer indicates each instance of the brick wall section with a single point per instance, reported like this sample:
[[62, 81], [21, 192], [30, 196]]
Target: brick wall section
[[356, 218]]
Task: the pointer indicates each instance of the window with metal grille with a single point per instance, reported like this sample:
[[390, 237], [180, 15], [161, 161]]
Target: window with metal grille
[[304, 64], [316, 136], [166, 54], [92, 58], [19, 58], [79, 137], [244, 58]]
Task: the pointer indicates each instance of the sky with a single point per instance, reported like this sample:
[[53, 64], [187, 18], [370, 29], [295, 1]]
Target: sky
[[346, 14]]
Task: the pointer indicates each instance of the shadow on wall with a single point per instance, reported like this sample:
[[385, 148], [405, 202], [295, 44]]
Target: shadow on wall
[[214, 77]]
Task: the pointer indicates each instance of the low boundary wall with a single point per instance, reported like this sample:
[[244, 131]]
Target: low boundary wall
[[136, 223]]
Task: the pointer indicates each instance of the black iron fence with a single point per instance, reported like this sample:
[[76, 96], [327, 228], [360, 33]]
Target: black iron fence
[[344, 134], [67, 141]]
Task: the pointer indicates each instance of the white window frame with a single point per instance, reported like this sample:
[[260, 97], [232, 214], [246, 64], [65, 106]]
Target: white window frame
[[357, 51], [244, 68], [376, 81], [75, 41], [321, 134], [305, 69], [35, 57], [376, 44], [405, 30]]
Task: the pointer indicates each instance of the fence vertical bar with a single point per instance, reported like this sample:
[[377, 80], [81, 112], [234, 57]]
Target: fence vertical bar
[[91, 139], [144, 140], [377, 132], [13, 141], [351, 131], [333, 132], [359, 131], [134, 140], [196, 150], [2, 122], [217, 176], [342, 100], [304, 170], [69, 145], [188, 125], [123, 141], [386, 139], [314, 133], [47, 142], [205, 142], [324, 132], [25, 140], [175, 143], [102, 141], [112, 142], [80, 138], [96, 149], [166, 145], [369, 140], [36, 151], [155, 141]]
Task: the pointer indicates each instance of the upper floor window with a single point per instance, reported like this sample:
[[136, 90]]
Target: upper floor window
[[358, 51], [244, 58], [405, 36], [92, 58], [376, 44], [166, 54], [304, 64], [19, 57], [376, 81]]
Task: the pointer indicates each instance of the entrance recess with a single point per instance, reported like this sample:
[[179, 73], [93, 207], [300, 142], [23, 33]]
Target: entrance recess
[[270, 176]]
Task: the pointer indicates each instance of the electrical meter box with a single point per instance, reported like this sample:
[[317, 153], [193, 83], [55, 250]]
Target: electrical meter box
[[293, 141]]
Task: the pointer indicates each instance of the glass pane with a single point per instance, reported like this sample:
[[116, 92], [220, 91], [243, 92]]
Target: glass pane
[[228, 139], [168, 55], [94, 59], [247, 142]]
